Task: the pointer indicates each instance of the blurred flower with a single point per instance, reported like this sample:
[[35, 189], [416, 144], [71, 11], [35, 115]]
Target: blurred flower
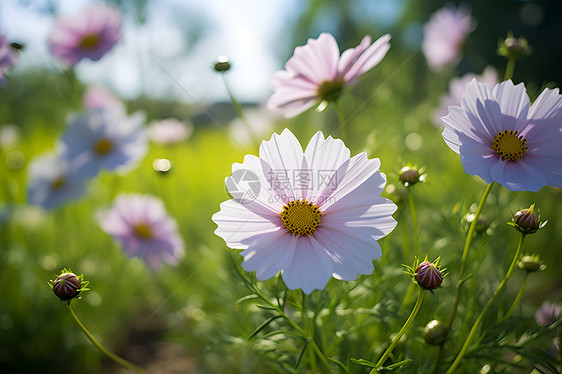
[[169, 131], [68, 285], [142, 226], [100, 98], [259, 124], [317, 72], [482, 225], [89, 34], [9, 136], [445, 34], [548, 313], [457, 87], [104, 139], [312, 215], [502, 139], [7, 57], [52, 182]]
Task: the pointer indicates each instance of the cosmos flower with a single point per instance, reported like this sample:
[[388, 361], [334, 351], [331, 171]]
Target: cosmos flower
[[7, 57], [144, 229], [51, 182], [501, 138], [445, 34], [317, 72], [169, 131], [548, 313], [89, 34], [311, 215], [457, 86], [104, 139], [100, 98]]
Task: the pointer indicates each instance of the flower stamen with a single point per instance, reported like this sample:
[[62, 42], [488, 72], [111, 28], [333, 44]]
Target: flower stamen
[[89, 41], [330, 90], [301, 217], [103, 146], [509, 145], [143, 231]]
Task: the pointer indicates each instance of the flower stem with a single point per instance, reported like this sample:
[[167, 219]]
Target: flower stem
[[509, 69], [112, 356], [341, 119], [464, 258], [239, 110], [414, 221], [483, 312], [400, 333], [517, 298]]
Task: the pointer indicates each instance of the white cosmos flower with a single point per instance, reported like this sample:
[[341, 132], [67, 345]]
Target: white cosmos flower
[[311, 215]]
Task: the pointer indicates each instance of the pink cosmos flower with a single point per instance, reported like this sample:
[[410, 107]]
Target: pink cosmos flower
[[7, 57], [445, 34], [548, 313], [100, 98], [311, 215], [316, 72], [501, 138], [457, 86], [144, 229], [89, 34], [169, 131]]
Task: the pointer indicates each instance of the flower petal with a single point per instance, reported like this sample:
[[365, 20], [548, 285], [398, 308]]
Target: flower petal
[[367, 59], [514, 104], [516, 176], [269, 254], [317, 60], [310, 268]]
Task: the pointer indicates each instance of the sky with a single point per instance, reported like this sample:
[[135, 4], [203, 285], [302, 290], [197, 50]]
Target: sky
[[158, 57]]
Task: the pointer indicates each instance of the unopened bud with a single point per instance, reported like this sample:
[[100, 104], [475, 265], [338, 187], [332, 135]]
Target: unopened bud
[[531, 263], [411, 175], [527, 221], [515, 48], [428, 275], [68, 285], [223, 64], [435, 333]]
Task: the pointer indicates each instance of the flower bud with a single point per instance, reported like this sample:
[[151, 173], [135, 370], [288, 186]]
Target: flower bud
[[435, 333], [515, 48], [223, 64], [68, 285], [527, 221], [428, 275], [531, 263], [481, 225], [411, 175]]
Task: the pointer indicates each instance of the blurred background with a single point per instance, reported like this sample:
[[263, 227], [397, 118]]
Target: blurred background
[[185, 318]]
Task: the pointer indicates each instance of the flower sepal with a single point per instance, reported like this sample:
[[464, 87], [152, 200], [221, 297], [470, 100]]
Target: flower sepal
[[68, 285], [427, 275]]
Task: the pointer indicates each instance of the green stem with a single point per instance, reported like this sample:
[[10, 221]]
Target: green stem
[[509, 69], [112, 356], [468, 242], [400, 333], [341, 120], [483, 312], [414, 221], [239, 110], [517, 298]]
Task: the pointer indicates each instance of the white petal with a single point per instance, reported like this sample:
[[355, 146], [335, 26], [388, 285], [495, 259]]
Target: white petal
[[482, 109], [545, 117], [310, 268], [516, 176], [514, 104], [269, 254], [239, 226]]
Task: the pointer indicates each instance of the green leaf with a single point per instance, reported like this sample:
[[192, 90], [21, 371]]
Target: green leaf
[[280, 332], [301, 353], [263, 325], [363, 362], [340, 364], [396, 365], [246, 298]]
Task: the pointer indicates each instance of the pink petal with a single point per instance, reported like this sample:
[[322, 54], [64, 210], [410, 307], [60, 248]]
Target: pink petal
[[367, 60], [317, 60], [482, 109], [514, 104], [270, 254]]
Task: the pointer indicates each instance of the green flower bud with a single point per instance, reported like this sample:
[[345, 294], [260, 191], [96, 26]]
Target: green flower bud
[[531, 263], [527, 221], [515, 48], [410, 175], [435, 333], [223, 64]]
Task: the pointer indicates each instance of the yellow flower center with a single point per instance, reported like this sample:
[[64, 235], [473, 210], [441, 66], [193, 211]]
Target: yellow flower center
[[103, 146], [143, 231], [509, 146], [58, 183], [301, 217], [89, 41]]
